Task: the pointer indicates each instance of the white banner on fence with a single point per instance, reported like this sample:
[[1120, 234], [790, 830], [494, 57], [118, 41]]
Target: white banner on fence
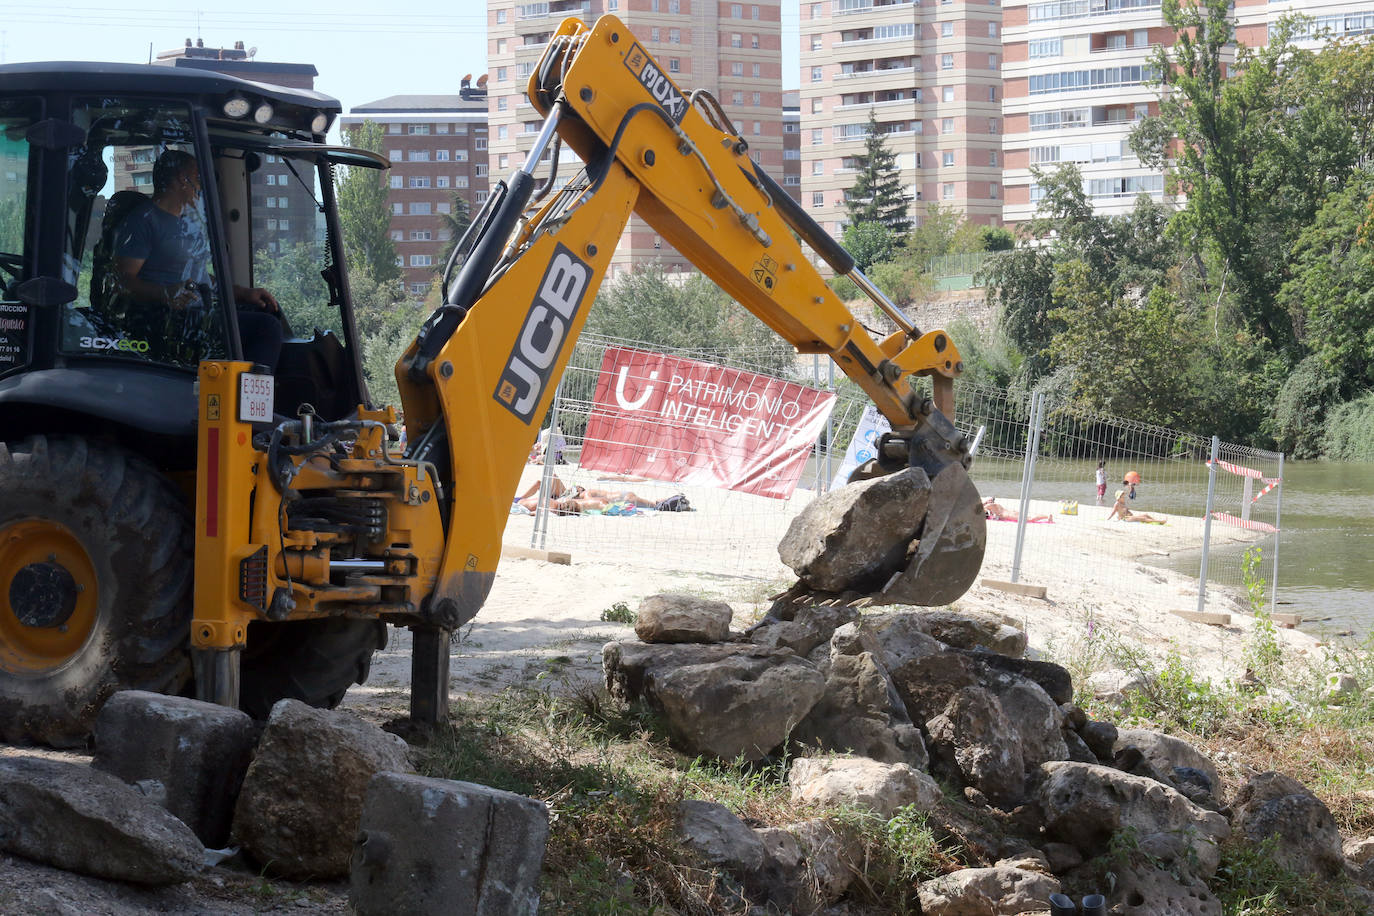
[[863, 446]]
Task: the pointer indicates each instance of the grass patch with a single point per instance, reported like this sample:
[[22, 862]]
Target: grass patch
[[619, 612]]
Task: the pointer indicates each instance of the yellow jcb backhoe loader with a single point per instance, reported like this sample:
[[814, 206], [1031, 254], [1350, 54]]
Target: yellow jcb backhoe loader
[[175, 518]]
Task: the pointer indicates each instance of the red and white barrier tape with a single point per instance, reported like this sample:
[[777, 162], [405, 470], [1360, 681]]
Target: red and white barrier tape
[[1241, 471], [1248, 524]]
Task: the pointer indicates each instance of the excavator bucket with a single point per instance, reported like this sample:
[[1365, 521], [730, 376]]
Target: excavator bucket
[[908, 533]]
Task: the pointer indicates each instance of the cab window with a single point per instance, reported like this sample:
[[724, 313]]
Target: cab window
[[16, 115], [138, 245]]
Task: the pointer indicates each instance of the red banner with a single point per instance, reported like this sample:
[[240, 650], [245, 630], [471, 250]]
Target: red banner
[[680, 420]]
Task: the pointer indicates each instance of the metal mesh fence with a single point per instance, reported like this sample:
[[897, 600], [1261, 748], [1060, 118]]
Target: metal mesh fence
[[1036, 458]]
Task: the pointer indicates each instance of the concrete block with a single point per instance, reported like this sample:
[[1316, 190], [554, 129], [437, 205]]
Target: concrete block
[[435, 846], [1212, 619], [1015, 588], [188, 755]]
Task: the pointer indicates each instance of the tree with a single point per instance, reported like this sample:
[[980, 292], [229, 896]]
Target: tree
[[868, 243], [365, 214], [455, 223], [877, 195]]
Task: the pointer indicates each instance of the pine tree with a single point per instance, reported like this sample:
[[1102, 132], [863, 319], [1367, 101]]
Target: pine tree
[[877, 195]]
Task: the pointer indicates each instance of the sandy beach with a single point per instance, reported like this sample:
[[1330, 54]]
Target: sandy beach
[[542, 622]]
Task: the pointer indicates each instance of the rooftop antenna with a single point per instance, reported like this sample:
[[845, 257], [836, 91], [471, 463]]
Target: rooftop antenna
[[252, 52]]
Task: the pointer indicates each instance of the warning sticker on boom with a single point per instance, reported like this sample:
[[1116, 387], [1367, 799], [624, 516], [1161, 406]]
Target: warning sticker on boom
[[668, 96]]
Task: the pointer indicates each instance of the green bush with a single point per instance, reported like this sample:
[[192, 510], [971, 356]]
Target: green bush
[[1350, 430]]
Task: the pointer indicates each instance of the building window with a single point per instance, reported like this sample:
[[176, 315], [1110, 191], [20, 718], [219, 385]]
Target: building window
[[992, 125], [460, 181], [947, 191], [1038, 48], [501, 131], [503, 161], [946, 61], [393, 128], [500, 46], [992, 157], [500, 17], [736, 69], [460, 155], [817, 10], [992, 191], [992, 30], [947, 158], [992, 93], [817, 106], [992, 61], [397, 235], [479, 143], [947, 94], [421, 208], [419, 289], [441, 155], [815, 42], [443, 208], [736, 11], [421, 235], [756, 98], [946, 125], [422, 129], [754, 40], [736, 41], [396, 182], [758, 128], [946, 30], [481, 197], [272, 203], [816, 74], [817, 136], [754, 14], [398, 209], [818, 167], [441, 181], [284, 225], [417, 155], [421, 260], [674, 65], [817, 198], [674, 6], [675, 36], [654, 34], [756, 70], [737, 97], [501, 103], [500, 74], [481, 170]]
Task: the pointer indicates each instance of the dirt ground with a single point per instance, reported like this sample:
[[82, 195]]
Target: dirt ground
[[542, 626]]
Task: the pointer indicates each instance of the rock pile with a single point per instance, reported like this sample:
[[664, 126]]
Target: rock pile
[[882, 710], [310, 794]]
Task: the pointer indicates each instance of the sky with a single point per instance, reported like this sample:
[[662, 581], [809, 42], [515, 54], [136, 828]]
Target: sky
[[364, 51]]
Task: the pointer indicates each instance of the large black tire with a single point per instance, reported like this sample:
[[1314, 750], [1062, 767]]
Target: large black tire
[[314, 661], [114, 535]]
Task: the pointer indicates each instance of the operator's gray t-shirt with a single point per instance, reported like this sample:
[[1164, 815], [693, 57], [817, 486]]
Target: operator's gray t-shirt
[[172, 248]]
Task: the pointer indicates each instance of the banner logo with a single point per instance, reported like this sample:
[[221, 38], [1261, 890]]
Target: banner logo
[[657, 82], [543, 334]]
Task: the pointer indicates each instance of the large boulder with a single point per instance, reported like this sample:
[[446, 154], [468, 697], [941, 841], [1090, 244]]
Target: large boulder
[[1166, 753], [975, 738], [436, 846], [682, 618], [862, 713], [303, 795], [194, 752], [1309, 841], [742, 706], [78, 819], [853, 538], [805, 628], [766, 863], [974, 630], [882, 787], [631, 667], [1085, 804], [993, 891], [834, 856], [1141, 890]]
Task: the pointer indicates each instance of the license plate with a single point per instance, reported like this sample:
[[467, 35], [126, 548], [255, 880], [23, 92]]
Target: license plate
[[255, 398]]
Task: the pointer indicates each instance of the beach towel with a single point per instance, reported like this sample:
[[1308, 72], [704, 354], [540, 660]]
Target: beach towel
[[1032, 521]]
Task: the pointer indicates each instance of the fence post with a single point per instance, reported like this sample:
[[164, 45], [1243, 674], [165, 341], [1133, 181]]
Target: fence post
[[1027, 476], [829, 425], [1278, 529], [540, 532], [1207, 524]]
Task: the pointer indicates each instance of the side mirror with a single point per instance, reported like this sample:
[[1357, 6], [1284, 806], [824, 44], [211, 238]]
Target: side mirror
[[44, 291]]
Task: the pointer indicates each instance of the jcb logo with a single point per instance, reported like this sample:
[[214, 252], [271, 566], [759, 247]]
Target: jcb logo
[[114, 343], [657, 82], [543, 334]]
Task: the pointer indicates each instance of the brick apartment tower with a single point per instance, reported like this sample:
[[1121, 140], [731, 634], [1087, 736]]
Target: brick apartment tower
[[732, 50], [930, 73], [284, 211], [791, 143], [437, 145]]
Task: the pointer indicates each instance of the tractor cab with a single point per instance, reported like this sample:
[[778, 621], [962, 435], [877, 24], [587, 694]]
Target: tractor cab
[[101, 330]]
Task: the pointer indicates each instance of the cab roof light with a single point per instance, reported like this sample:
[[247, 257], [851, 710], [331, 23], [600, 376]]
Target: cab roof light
[[263, 113], [236, 106]]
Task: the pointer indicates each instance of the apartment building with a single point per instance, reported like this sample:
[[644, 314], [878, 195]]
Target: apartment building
[[732, 50], [437, 145], [931, 75], [1077, 74], [791, 143], [283, 209]]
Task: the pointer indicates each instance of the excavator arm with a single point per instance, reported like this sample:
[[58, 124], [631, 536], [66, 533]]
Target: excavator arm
[[481, 373]]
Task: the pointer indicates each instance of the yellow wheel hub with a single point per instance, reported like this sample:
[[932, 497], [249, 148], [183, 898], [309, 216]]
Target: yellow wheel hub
[[49, 598]]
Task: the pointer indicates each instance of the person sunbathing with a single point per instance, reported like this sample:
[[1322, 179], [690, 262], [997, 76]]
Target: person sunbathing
[[1120, 511], [559, 490], [997, 512]]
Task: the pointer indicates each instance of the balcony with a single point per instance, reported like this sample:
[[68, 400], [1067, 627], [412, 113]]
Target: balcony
[[850, 7], [552, 8], [856, 42], [878, 106], [890, 71]]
